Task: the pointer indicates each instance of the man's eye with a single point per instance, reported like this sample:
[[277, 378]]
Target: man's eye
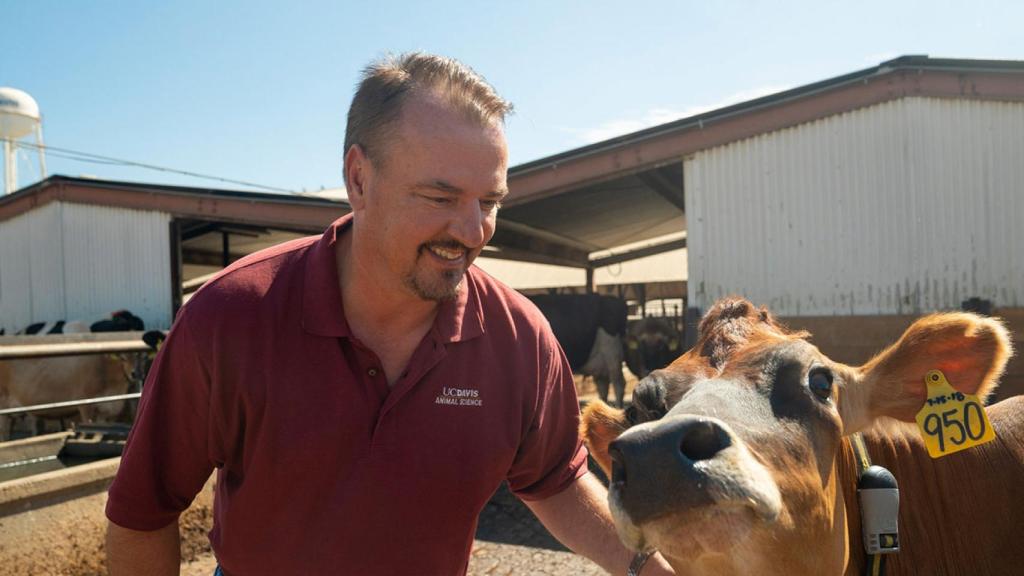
[[439, 200], [489, 205]]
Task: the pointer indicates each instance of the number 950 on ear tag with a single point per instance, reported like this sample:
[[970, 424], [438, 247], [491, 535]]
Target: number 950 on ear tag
[[951, 421]]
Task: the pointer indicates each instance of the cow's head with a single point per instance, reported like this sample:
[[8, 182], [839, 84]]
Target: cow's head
[[726, 461]]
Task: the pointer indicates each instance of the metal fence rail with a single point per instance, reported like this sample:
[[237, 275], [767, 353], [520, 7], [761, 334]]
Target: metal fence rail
[[69, 404], [24, 351], [13, 348]]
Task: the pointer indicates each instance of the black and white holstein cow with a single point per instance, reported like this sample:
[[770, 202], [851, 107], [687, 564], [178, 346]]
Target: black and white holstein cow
[[34, 381], [651, 343], [590, 328]]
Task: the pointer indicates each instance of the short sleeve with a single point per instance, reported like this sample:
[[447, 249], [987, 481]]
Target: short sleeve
[[552, 455], [167, 459]]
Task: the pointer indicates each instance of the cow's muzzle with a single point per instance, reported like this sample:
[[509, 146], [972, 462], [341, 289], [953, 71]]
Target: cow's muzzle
[[687, 464]]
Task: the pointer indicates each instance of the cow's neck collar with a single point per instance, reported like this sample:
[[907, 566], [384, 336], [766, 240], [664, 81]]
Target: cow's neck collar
[[855, 458]]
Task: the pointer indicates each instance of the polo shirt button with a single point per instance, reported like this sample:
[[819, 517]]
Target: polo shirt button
[[372, 371]]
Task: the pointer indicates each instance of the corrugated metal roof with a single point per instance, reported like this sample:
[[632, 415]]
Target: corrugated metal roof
[[908, 62], [261, 197], [552, 191]]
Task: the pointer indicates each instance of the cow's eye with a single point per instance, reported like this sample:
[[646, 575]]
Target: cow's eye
[[820, 383]]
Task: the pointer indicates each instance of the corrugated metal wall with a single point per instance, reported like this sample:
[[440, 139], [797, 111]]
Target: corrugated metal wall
[[72, 261], [115, 258], [901, 208], [31, 286]]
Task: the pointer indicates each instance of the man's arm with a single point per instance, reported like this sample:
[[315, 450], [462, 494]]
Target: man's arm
[[143, 553], [578, 516]]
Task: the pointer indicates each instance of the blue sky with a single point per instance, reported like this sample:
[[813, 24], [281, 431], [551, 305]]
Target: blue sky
[[258, 90]]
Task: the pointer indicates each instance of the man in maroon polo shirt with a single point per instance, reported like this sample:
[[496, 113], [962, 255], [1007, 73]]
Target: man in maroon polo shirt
[[364, 392]]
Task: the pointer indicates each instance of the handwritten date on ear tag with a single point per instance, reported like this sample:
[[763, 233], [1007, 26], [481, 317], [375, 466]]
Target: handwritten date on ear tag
[[951, 421]]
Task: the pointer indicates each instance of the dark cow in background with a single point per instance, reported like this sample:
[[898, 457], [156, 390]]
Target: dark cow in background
[[29, 382], [651, 343], [737, 458], [590, 328], [120, 321]]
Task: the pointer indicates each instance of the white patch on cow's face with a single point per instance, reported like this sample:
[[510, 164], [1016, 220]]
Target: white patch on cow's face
[[630, 534], [741, 495]]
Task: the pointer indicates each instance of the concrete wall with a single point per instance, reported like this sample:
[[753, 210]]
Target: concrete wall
[[54, 523]]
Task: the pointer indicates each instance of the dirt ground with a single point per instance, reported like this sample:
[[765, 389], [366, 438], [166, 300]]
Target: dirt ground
[[587, 390]]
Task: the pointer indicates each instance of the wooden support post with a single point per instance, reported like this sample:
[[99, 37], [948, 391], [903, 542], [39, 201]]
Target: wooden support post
[[177, 273], [225, 244]]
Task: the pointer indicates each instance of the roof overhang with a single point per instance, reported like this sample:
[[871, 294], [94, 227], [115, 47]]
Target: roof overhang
[[642, 151], [256, 220], [279, 211], [629, 189]]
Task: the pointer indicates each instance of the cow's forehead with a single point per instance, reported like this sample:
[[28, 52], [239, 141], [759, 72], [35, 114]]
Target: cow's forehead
[[764, 357], [734, 327], [734, 324], [756, 364]]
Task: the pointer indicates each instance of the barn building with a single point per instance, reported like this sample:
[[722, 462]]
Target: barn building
[[79, 248], [848, 207]]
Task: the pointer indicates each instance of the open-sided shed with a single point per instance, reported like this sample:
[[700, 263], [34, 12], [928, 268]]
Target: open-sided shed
[[849, 206]]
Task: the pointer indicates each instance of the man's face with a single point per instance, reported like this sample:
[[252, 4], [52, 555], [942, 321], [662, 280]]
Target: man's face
[[429, 205]]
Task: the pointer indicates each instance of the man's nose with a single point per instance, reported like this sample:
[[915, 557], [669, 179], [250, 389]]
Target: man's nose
[[470, 225]]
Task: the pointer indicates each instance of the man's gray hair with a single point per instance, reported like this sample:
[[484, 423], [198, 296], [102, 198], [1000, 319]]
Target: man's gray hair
[[387, 83]]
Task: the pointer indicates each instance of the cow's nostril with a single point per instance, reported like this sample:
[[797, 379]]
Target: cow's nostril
[[702, 440]]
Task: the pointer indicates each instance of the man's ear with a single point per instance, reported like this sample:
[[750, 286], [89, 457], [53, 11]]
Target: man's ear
[[600, 425], [357, 170], [970, 350]]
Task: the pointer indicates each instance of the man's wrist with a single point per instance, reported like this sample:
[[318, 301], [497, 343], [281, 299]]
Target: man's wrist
[[638, 563]]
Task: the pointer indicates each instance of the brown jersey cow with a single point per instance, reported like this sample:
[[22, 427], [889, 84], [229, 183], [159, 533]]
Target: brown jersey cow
[[33, 381], [736, 458]]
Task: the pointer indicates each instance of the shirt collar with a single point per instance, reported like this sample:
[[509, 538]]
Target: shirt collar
[[457, 320]]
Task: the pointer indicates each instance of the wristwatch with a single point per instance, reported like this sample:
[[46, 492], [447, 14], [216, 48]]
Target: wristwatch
[[638, 563]]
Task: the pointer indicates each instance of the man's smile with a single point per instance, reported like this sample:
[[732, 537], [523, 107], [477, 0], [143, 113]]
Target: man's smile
[[448, 253]]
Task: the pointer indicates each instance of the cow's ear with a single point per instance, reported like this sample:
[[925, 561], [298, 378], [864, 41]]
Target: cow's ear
[[599, 426], [970, 350]]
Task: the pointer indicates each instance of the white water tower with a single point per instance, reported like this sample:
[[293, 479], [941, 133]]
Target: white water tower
[[19, 117]]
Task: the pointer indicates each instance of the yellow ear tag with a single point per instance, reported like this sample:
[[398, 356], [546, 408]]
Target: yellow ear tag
[[951, 421], [633, 345]]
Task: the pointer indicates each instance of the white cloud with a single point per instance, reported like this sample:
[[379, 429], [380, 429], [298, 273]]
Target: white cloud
[[656, 116]]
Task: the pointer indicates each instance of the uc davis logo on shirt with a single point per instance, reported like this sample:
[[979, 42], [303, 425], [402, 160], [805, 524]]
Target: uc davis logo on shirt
[[459, 397]]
